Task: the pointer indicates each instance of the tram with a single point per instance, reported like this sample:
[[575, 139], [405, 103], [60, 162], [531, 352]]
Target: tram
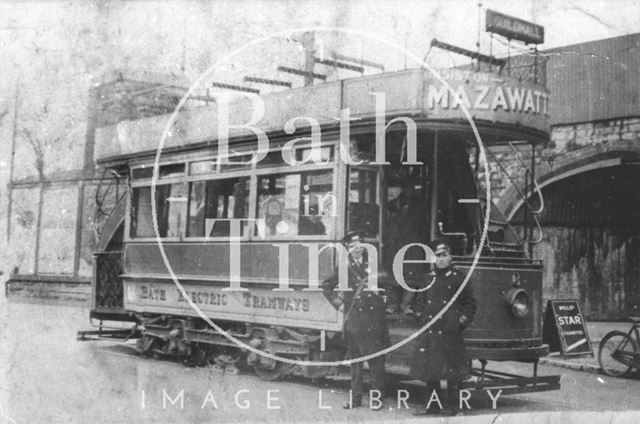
[[391, 160]]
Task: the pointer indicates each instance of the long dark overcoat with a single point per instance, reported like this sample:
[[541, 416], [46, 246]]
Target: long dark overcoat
[[365, 326], [439, 351]]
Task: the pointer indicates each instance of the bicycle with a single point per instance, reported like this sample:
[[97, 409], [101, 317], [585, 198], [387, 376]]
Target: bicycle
[[619, 352]]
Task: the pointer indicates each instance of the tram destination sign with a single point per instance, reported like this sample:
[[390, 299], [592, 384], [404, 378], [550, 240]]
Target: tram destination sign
[[565, 329], [514, 28]]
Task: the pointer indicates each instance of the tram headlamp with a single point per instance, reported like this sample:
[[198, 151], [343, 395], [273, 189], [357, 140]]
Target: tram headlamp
[[519, 302]]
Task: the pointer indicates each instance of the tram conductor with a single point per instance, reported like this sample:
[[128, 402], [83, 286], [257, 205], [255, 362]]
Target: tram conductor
[[440, 353], [365, 327]]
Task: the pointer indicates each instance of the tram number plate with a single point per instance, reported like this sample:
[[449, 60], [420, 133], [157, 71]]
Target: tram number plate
[[565, 329]]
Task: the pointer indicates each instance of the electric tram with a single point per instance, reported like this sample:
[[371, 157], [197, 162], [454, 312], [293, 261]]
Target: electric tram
[[389, 155]]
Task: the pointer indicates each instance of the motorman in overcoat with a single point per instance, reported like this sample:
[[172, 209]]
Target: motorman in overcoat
[[440, 353], [365, 327]]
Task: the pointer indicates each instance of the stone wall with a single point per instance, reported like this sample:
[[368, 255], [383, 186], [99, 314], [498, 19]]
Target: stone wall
[[600, 267], [597, 265]]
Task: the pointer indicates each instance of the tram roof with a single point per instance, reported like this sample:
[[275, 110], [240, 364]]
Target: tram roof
[[502, 108]]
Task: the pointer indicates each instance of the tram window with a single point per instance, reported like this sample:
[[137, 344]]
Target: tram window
[[165, 171], [237, 163], [171, 209], [170, 171], [363, 202], [273, 158], [202, 167], [306, 154], [217, 200], [297, 204], [142, 173], [141, 225]]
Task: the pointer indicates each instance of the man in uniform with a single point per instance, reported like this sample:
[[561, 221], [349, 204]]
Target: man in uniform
[[365, 327], [440, 352]]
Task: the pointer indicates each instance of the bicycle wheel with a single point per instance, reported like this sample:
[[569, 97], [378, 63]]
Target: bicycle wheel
[[616, 340]]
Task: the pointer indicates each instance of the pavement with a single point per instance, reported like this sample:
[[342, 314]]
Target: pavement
[[596, 331]]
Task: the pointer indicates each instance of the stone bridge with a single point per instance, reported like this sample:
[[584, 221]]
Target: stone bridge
[[589, 176]]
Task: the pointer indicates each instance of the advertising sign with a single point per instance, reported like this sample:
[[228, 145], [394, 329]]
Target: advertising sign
[[565, 329], [514, 28]]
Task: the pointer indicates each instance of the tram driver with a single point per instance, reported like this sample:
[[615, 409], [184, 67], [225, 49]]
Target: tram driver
[[440, 353]]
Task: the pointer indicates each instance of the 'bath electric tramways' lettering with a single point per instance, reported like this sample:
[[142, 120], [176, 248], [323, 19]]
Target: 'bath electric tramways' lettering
[[150, 293], [278, 303], [205, 298], [275, 302]]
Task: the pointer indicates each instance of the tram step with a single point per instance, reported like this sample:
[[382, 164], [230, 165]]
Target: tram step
[[505, 250]]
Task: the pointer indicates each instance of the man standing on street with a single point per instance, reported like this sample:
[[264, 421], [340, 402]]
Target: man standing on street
[[440, 353], [365, 327]]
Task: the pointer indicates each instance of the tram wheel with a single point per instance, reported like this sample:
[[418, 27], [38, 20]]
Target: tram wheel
[[197, 357], [275, 374], [145, 344]]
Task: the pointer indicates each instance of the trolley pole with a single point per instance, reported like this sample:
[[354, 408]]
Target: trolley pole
[[533, 188], [434, 189], [308, 44]]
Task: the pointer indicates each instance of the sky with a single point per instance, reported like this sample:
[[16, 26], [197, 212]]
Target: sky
[[412, 24]]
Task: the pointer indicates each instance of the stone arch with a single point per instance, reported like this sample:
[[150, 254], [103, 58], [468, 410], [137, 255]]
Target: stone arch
[[572, 163], [591, 244]]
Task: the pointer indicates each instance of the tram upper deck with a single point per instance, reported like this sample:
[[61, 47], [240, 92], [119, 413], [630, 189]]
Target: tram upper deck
[[503, 108]]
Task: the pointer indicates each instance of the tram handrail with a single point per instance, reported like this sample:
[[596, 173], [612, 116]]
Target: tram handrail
[[540, 232], [459, 234], [101, 195], [504, 171], [522, 196], [535, 183]]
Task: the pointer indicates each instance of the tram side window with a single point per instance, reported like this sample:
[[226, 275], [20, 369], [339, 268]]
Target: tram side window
[[363, 202], [214, 202], [171, 209], [297, 204]]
